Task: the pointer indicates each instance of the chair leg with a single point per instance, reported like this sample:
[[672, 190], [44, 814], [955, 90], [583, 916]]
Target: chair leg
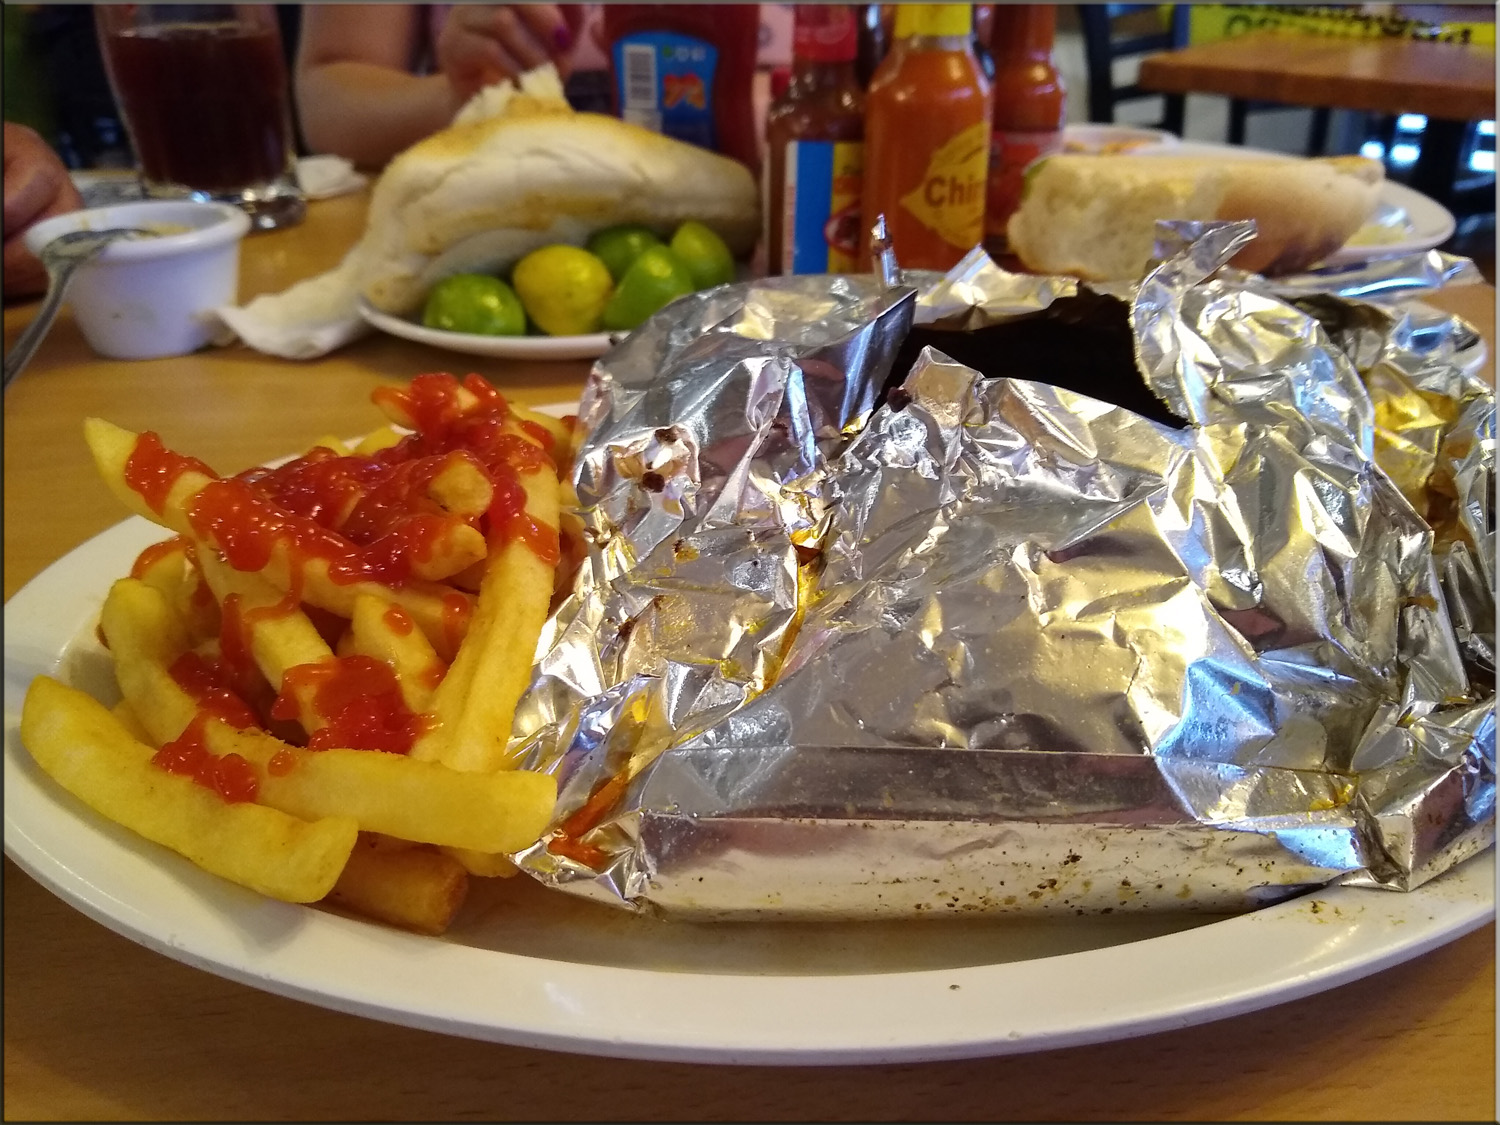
[[1317, 132], [1437, 162], [1239, 111], [1174, 113]]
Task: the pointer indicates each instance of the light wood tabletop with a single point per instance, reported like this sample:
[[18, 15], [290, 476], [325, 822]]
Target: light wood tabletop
[[1447, 80], [100, 1028]]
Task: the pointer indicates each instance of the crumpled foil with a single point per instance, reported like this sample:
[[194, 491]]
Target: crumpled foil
[[864, 634]]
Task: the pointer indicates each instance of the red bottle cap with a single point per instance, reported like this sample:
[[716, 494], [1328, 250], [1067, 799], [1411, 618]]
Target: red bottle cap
[[781, 79], [824, 33]]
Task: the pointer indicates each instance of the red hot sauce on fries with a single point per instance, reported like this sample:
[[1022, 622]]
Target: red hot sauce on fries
[[359, 699], [228, 775], [367, 517]]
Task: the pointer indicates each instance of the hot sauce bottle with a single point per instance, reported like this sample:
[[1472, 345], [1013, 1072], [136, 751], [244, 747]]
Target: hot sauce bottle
[[815, 148], [1030, 107], [927, 127], [687, 70]]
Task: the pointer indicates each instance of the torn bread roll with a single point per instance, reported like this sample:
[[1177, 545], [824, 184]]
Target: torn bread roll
[[1094, 216], [517, 170], [481, 194]]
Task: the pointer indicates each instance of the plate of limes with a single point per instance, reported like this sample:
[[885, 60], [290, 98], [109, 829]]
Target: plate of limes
[[562, 301], [589, 345]]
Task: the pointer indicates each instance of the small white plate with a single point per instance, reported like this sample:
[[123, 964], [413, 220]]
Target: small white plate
[[1096, 137], [1405, 221], [497, 347]]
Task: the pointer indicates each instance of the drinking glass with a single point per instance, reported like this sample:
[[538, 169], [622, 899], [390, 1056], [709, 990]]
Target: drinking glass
[[204, 94]]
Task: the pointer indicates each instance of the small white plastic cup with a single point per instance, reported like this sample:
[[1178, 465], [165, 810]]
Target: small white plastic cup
[[149, 298]]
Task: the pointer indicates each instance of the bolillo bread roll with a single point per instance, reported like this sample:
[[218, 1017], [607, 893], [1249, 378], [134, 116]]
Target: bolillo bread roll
[[522, 169], [1094, 217], [516, 170]]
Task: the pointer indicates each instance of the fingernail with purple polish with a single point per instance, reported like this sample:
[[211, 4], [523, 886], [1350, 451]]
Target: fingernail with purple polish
[[562, 38]]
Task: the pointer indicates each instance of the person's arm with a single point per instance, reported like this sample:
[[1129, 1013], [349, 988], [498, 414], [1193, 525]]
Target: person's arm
[[356, 96], [37, 187]]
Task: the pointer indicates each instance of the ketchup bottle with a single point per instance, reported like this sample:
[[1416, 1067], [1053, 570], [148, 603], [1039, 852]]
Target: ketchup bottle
[[686, 70], [1030, 107], [927, 129], [815, 148]]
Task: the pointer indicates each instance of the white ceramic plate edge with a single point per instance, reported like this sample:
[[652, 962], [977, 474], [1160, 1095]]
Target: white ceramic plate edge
[[1432, 223], [496, 347], [1217, 970]]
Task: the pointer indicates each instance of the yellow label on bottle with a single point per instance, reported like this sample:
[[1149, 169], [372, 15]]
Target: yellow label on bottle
[[950, 199], [842, 232]]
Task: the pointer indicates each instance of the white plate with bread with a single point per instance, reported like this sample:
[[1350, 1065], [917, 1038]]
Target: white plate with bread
[[1405, 221], [1094, 216]]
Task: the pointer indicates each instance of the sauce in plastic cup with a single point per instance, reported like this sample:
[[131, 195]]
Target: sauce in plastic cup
[[152, 297]]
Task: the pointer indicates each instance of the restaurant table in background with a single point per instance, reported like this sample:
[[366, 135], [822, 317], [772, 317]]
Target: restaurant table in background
[[97, 1027], [1452, 84]]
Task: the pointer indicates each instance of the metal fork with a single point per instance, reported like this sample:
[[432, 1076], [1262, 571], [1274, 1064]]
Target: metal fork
[[61, 258]]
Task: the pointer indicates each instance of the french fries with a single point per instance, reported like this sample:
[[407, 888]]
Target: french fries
[[89, 753], [424, 802], [477, 699], [414, 888], [441, 611], [321, 666]]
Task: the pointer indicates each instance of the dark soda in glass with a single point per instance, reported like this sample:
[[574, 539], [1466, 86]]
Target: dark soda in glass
[[206, 104]]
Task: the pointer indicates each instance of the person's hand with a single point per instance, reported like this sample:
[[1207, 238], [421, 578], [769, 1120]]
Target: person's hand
[[36, 188], [482, 43]]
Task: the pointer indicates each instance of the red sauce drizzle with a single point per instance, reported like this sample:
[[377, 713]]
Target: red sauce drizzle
[[359, 700], [432, 675], [366, 517], [398, 621], [153, 554], [152, 469], [229, 775], [234, 647], [209, 685], [540, 432]]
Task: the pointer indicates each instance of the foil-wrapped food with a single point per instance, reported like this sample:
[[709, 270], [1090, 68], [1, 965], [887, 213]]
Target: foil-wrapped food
[[994, 592]]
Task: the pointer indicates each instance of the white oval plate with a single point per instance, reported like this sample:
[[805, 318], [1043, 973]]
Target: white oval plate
[[1094, 137], [533, 967], [1406, 221], [497, 347]]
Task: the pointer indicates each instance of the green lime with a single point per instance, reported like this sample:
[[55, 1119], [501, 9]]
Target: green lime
[[563, 289], [704, 254], [620, 245], [654, 279], [477, 303]]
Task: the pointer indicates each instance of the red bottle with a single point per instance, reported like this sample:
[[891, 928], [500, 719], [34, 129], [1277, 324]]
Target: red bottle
[[815, 149], [1030, 106], [686, 70]]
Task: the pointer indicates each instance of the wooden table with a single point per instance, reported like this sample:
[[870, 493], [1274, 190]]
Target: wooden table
[[1451, 83], [98, 1028]]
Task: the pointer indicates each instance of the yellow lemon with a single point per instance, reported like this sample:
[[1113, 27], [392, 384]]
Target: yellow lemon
[[563, 289]]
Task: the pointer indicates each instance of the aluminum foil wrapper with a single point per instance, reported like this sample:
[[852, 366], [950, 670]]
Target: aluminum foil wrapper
[[863, 633]]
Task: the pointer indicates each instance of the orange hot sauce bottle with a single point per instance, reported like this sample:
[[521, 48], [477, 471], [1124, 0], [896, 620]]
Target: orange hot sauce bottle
[[1030, 107], [927, 126], [815, 149]]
